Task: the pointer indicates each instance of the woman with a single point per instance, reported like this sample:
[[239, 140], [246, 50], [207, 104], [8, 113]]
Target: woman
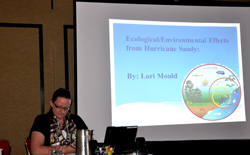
[[56, 129]]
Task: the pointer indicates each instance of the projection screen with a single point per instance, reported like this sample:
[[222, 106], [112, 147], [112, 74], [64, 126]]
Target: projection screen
[[175, 71]]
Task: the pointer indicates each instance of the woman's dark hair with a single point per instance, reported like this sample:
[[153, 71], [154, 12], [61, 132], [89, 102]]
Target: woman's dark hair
[[61, 92]]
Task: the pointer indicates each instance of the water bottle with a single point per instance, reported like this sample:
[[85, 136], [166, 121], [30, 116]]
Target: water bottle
[[82, 142]]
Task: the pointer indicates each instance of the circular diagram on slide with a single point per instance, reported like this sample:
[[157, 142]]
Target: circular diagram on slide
[[211, 92]]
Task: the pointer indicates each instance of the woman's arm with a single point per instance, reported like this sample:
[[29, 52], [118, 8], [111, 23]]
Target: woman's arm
[[37, 147], [37, 141]]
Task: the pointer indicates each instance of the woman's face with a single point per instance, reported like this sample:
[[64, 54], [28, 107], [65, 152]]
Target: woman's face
[[60, 107]]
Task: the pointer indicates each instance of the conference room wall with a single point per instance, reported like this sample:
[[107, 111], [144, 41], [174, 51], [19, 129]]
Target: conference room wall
[[27, 78]]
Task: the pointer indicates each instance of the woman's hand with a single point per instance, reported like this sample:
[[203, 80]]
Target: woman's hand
[[66, 149]]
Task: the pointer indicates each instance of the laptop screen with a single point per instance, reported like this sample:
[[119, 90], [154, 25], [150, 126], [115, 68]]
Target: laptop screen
[[123, 138]]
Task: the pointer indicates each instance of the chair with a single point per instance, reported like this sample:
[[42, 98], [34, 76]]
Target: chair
[[27, 145], [5, 145]]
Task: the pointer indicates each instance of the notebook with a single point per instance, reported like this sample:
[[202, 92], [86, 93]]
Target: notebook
[[122, 137]]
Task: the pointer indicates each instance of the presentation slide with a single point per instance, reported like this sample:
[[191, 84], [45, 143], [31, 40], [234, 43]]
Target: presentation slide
[[175, 73], [178, 72]]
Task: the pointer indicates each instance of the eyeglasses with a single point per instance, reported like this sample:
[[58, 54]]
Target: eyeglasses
[[60, 107]]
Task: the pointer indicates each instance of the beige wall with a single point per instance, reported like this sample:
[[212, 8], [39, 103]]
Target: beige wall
[[20, 99]]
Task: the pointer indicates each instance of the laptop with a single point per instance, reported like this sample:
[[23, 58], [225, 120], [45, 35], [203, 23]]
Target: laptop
[[122, 137]]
